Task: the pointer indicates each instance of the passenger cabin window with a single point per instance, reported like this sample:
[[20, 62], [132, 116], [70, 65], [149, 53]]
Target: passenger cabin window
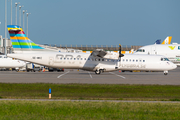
[[39, 57], [33, 57], [143, 60], [140, 50], [136, 60]]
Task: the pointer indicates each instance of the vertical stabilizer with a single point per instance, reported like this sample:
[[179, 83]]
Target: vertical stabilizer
[[167, 40], [19, 40], [158, 41]]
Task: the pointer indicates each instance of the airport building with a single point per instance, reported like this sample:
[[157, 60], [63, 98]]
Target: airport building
[[68, 48], [2, 45]]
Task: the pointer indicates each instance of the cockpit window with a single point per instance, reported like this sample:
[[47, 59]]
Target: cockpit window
[[140, 50], [164, 59]]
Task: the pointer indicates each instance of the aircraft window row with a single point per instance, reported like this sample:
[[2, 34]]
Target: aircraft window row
[[3, 57], [140, 50], [91, 59], [36, 57], [164, 59], [132, 60], [72, 58]]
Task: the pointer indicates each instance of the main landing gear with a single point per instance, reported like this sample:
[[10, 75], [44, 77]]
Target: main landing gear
[[99, 71], [165, 72]]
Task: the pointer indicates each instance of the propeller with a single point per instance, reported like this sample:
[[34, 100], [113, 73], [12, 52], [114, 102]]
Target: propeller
[[120, 55]]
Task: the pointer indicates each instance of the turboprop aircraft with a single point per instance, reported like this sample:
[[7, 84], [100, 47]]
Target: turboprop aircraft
[[98, 61]]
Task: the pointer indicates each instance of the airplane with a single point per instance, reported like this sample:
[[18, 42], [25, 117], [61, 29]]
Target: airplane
[[98, 61], [6, 62], [171, 51]]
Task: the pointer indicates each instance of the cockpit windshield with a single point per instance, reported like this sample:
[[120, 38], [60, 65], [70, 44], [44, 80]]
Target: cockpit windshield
[[164, 59], [140, 50]]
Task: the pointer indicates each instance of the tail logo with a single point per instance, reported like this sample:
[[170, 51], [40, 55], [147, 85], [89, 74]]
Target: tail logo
[[19, 39]]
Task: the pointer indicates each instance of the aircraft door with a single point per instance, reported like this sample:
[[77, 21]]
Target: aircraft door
[[51, 60], [117, 63], [153, 50]]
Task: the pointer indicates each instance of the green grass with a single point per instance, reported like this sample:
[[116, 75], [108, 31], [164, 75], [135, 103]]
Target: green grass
[[52, 110], [91, 91]]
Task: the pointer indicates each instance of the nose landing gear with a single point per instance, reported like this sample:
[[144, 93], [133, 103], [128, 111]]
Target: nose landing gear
[[165, 72]]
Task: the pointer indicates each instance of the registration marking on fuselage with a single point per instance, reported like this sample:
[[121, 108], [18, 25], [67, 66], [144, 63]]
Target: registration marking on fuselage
[[63, 74], [118, 75]]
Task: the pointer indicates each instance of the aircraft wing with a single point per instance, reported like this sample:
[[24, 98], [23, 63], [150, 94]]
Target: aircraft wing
[[98, 53]]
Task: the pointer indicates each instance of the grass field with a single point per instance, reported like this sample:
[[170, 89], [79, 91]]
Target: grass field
[[91, 91], [51, 110]]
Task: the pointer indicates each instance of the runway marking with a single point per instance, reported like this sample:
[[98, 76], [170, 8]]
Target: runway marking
[[90, 74], [118, 75], [63, 74]]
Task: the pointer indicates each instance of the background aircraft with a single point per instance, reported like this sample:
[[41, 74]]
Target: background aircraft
[[6, 62], [98, 61], [171, 51]]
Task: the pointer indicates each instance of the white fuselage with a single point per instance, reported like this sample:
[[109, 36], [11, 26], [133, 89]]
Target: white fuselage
[[87, 62], [10, 63], [171, 51]]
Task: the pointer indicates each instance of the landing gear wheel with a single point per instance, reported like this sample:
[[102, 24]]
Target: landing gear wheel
[[98, 72], [165, 72]]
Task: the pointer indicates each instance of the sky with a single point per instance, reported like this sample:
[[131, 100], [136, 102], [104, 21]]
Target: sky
[[97, 22]]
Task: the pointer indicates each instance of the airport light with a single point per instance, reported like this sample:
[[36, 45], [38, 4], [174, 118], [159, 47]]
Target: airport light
[[20, 14], [16, 10], [0, 27], [23, 17], [11, 12], [5, 26], [27, 22]]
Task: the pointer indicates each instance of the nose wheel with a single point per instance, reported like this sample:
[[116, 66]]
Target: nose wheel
[[165, 72]]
